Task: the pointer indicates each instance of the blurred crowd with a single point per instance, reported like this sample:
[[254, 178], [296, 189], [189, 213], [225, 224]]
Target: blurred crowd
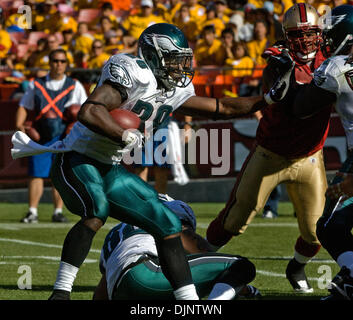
[[227, 34]]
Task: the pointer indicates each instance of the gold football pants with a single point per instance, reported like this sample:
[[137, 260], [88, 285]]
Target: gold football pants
[[306, 183]]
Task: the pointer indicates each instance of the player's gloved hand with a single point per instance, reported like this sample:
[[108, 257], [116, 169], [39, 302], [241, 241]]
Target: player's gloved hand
[[284, 65], [133, 138]]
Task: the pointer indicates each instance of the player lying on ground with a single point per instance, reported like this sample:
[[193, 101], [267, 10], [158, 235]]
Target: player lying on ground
[[131, 270]]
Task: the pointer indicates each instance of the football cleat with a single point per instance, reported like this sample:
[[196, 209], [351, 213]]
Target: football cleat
[[59, 217], [30, 218], [342, 285], [269, 214], [60, 295], [249, 292], [297, 278]]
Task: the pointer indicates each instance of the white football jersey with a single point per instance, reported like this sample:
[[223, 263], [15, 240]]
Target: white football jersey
[[151, 104], [123, 246], [336, 75]]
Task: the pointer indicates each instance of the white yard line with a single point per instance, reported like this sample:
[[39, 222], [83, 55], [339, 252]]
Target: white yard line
[[40, 244], [50, 258], [19, 226], [203, 225]]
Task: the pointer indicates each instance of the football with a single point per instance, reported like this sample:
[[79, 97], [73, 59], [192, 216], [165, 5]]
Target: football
[[125, 118]]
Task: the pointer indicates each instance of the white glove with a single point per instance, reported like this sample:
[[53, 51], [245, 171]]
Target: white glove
[[133, 138]]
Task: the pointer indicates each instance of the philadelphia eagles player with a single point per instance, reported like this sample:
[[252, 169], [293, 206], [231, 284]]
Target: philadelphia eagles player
[[131, 271], [333, 83], [87, 171]]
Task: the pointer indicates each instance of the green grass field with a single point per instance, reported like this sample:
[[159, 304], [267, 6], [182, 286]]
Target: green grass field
[[268, 243]]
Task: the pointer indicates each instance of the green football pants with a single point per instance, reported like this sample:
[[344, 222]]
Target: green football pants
[[90, 188], [146, 281]]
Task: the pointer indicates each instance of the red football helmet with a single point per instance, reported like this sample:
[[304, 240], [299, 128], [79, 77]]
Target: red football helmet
[[302, 31]]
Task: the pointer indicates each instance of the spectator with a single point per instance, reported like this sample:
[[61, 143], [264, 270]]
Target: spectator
[[221, 8], [237, 57], [66, 20], [50, 125], [83, 39], [135, 24], [113, 42], [275, 27], [173, 11], [17, 66], [257, 46], [208, 49], [214, 20], [236, 23], [160, 9], [246, 32], [67, 45], [5, 42], [106, 11], [34, 59], [42, 60], [197, 11], [184, 22], [47, 17], [97, 57], [105, 25], [279, 8], [12, 22]]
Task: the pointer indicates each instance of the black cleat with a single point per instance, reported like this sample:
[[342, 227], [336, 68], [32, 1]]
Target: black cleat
[[60, 295], [342, 285], [59, 217], [296, 276], [249, 292], [30, 218]]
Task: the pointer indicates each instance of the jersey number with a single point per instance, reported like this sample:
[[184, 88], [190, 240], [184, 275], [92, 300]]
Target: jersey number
[[145, 109]]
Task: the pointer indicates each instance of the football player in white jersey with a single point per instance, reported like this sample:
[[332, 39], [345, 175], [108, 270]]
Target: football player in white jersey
[[87, 171], [131, 271], [333, 83]]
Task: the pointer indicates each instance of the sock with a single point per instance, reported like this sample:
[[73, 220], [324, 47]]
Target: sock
[[186, 293], [77, 244], [304, 251], [300, 258], [65, 277], [173, 262], [57, 211], [346, 259], [33, 211], [222, 291]]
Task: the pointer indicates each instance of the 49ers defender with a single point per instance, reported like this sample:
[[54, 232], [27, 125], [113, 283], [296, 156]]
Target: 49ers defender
[[287, 150]]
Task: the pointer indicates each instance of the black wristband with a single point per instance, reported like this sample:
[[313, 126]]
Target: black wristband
[[216, 113]]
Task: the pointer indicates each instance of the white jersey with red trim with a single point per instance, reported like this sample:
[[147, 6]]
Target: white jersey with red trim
[[336, 75]]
